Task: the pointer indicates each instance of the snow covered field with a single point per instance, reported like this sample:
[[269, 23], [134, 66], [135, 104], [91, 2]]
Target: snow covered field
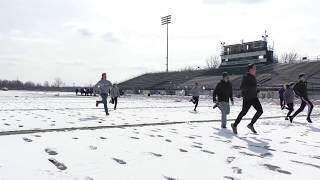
[[45, 136]]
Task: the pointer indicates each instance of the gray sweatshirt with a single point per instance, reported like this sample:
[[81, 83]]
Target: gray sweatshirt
[[103, 86], [288, 96], [195, 91], [114, 92]]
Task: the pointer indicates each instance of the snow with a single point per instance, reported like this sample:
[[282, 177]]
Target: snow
[[154, 137]]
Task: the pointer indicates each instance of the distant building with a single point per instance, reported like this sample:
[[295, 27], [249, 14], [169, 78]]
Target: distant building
[[256, 52]]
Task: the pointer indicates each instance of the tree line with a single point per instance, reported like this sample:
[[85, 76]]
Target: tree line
[[19, 85]]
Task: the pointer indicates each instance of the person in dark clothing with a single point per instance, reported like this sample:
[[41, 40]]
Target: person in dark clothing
[[281, 92], [288, 97], [224, 92], [195, 91], [250, 98], [77, 90], [114, 93], [301, 90]]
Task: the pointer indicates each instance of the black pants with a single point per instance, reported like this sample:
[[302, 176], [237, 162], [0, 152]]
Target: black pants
[[304, 101], [247, 103], [195, 101], [290, 108], [281, 102], [115, 102]]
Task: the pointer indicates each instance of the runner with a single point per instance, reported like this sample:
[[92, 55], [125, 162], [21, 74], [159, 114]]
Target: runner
[[288, 97], [224, 92], [103, 86], [250, 98], [114, 93], [195, 91], [281, 92], [301, 90]]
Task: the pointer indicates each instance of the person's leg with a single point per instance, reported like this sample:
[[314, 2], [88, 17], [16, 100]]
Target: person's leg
[[105, 102], [301, 108], [281, 103], [98, 102], [115, 103], [310, 108], [257, 105], [290, 108], [222, 108], [196, 103], [246, 104]]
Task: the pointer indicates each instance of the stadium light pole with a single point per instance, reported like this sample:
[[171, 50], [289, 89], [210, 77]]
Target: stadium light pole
[[166, 20]]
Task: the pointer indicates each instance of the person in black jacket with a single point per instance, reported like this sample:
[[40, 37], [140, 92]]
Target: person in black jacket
[[301, 90], [281, 92], [250, 98], [224, 92]]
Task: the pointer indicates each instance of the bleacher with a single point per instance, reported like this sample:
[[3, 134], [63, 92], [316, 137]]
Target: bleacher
[[273, 75]]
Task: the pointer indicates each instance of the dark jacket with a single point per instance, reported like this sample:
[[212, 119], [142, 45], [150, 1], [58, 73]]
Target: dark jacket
[[281, 92], [249, 87], [288, 96], [300, 88], [224, 91]]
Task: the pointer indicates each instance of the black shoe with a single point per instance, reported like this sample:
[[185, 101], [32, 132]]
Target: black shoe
[[223, 127], [234, 129], [309, 120], [252, 129], [286, 118], [97, 103], [291, 119], [107, 114]]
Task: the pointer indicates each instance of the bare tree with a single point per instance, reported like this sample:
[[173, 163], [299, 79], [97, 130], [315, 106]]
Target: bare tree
[[46, 84], [189, 68], [289, 57], [213, 62], [58, 82]]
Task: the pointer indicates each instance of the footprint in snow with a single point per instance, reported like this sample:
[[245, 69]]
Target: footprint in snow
[[230, 159], [169, 178], [237, 170], [155, 154], [103, 137], [134, 137], [276, 169], [27, 139], [50, 151], [58, 164], [207, 151], [168, 140], [119, 161], [183, 150], [88, 178], [93, 147]]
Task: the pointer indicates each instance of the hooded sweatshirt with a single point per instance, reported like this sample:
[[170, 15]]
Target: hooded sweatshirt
[[103, 86]]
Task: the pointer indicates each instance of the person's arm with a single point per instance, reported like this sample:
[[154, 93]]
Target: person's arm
[[215, 92], [97, 86], [231, 94]]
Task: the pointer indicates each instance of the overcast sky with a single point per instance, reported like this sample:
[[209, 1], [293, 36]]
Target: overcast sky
[[77, 40]]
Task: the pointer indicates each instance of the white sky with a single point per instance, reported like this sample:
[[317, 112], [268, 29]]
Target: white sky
[[77, 40]]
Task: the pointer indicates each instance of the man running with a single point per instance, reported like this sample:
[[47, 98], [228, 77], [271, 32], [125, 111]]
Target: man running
[[288, 97], [103, 87], [250, 98], [301, 90], [224, 92], [281, 92], [114, 93], [195, 91]]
